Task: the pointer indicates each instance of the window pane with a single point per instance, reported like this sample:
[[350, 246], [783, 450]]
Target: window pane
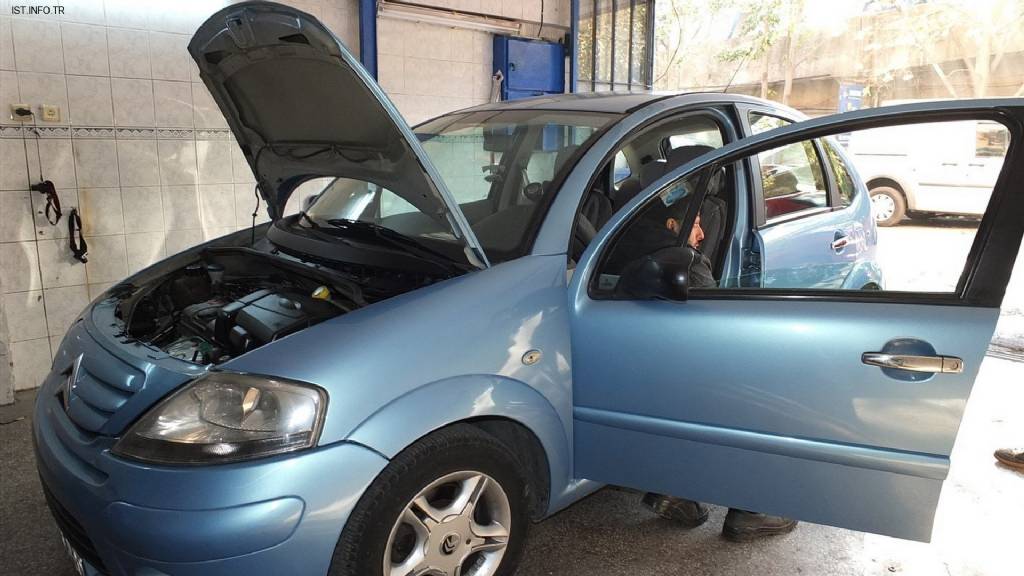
[[844, 181], [603, 51], [791, 180], [761, 123]]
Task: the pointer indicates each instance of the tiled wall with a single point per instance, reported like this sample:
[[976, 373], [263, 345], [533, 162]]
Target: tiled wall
[[142, 151]]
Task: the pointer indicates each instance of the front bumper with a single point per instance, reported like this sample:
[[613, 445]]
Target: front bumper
[[270, 516]]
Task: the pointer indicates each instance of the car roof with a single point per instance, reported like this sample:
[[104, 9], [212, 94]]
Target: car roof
[[613, 102]]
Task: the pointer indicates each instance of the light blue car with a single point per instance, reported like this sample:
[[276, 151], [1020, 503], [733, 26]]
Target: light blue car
[[437, 351]]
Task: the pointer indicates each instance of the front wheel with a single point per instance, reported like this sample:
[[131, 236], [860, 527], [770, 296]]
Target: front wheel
[[453, 504], [887, 205]]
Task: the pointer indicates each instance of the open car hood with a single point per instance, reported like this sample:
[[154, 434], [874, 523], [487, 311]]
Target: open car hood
[[301, 106]]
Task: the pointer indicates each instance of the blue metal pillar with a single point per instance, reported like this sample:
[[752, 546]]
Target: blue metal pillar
[[368, 35], [574, 50]]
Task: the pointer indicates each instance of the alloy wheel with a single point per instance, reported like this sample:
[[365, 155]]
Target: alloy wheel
[[459, 525]]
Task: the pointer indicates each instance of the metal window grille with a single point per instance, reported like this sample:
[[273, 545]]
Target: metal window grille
[[616, 45]]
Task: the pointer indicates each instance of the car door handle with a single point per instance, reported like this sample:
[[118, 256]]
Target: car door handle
[[840, 243], [932, 364]]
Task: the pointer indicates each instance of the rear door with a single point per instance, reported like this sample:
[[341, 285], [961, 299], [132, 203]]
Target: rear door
[[835, 406]]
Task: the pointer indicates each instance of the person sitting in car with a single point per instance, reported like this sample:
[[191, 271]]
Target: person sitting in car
[[657, 237]]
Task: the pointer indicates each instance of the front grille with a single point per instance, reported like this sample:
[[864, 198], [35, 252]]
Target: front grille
[[73, 531], [97, 388]]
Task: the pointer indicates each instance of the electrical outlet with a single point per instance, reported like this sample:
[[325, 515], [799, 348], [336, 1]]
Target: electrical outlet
[[51, 113], [17, 112]]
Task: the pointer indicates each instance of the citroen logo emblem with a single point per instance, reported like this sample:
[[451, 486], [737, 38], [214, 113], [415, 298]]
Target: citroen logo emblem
[[450, 543], [70, 382]]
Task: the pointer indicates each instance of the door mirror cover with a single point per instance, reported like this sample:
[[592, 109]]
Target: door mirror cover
[[664, 274]]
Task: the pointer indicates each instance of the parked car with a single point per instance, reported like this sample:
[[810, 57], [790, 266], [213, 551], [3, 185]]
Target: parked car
[[435, 353], [930, 169]]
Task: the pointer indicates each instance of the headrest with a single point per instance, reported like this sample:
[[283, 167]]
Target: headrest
[[679, 156], [650, 172]]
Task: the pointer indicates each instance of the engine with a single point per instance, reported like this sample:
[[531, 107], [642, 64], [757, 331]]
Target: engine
[[231, 302]]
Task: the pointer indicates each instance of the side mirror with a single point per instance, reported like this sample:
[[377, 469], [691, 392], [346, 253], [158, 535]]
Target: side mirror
[[663, 274]]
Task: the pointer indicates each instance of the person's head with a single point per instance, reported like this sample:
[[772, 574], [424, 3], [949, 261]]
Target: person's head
[[671, 217], [696, 233]]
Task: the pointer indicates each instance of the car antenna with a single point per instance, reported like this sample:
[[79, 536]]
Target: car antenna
[[734, 73]]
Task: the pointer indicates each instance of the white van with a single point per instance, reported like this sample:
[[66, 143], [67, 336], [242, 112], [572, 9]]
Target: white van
[[950, 169]]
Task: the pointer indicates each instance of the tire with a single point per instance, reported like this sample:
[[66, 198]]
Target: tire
[[890, 202], [452, 456]]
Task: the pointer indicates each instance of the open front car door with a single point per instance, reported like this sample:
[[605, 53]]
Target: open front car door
[[764, 389]]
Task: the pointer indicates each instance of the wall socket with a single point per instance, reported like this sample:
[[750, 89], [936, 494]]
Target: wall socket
[[50, 113], [18, 117]]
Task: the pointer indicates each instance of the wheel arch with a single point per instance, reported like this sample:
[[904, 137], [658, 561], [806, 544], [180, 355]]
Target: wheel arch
[[893, 182], [515, 413]]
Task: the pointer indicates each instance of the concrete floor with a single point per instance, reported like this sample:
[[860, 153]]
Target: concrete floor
[[978, 524]]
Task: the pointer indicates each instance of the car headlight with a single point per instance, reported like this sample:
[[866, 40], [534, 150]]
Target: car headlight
[[226, 417]]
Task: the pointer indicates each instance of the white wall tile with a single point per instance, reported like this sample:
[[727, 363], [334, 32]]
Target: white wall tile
[[217, 205], [26, 318], [180, 17], [391, 36], [89, 101], [13, 171], [245, 203], [20, 263], [144, 249], [133, 102], [137, 163], [58, 162], [16, 223], [9, 94], [57, 265], [177, 162], [181, 209], [37, 45], [63, 305], [343, 19], [214, 233], [96, 163], [128, 52], [127, 13], [38, 88], [180, 240], [68, 200], [241, 172], [168, 56], [101, 212], [6, 44], [95, 289], [214, 159], [30, 363], [391, 73], [173, 102], [143, 210], [429, 41], [207, 114], [85, 49], [84, 11], [108, 258]]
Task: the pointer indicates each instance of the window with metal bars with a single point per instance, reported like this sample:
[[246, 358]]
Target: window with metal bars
[[616, 45]]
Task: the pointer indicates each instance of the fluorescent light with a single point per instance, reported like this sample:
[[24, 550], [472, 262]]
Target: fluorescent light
[[449, 18]]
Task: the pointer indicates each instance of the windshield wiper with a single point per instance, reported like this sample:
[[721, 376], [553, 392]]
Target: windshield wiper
[[398, 239]]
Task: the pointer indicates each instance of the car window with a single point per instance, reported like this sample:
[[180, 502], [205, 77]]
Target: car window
[[620, 169], [792, 179], [844, 181], [836, 250]]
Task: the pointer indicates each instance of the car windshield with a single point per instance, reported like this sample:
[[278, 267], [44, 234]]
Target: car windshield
[[502, 168]]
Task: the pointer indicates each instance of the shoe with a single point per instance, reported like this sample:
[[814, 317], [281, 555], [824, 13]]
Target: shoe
[[743, 526], [1012, 458], [680, 510]]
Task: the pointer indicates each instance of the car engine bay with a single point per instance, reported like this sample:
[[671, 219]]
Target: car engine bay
[[228, 301]]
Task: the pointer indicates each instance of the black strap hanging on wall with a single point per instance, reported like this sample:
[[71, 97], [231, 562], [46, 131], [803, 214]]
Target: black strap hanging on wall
[[47, 188], [78, 246]]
